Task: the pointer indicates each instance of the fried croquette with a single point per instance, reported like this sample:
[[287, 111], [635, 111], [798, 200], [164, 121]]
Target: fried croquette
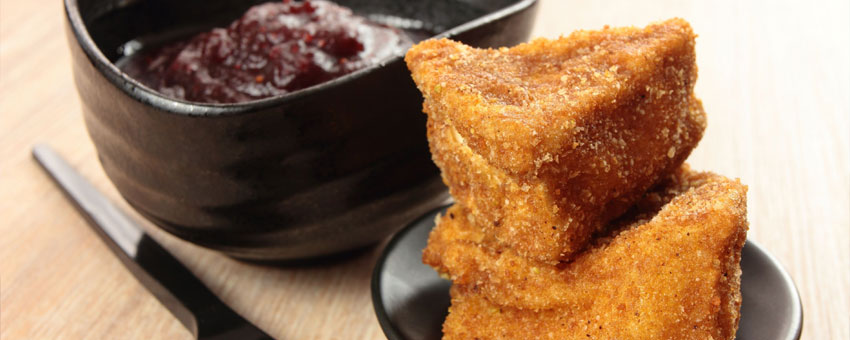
[[670, 269], [548, 141]]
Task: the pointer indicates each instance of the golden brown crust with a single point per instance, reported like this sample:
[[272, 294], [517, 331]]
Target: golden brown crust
[[548, 143], [671, 273], [534, 99], [565, 133]]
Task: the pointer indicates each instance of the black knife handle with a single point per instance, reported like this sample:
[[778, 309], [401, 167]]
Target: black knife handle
[[197, 308]]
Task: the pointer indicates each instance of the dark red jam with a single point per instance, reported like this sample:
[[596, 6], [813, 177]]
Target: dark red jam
[[274, 49]]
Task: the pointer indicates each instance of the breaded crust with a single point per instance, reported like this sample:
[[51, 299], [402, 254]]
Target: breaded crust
[[554, 138], [524, 217], [671, 272]]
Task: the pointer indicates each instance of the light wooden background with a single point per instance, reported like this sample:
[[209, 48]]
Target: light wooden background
[[774, 78]]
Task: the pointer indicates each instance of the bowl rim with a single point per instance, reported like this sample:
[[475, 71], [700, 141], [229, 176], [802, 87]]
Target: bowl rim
[[144, 94]]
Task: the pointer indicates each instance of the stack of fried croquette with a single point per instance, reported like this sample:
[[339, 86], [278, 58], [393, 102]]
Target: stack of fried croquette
[[575, 216]]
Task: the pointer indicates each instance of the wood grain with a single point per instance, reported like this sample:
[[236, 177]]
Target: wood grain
[[774, 78]]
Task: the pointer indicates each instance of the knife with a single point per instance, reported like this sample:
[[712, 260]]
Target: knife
[[197, 308]]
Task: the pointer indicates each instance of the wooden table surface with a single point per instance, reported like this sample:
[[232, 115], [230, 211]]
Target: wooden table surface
[[774, 78]]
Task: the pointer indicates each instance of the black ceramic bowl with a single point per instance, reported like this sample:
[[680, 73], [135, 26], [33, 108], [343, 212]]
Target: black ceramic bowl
[[329, 168]]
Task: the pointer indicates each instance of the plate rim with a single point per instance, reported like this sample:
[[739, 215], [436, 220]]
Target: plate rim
[[387, 327], [797, 308], [392, 333]]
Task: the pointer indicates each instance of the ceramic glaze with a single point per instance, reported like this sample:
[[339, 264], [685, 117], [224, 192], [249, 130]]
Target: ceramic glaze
[[329, 168]]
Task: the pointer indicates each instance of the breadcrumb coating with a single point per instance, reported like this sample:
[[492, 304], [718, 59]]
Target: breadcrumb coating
[[669, 270], [548, 141]]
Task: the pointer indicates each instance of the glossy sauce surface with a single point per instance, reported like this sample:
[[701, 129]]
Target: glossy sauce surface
[[273, 49]]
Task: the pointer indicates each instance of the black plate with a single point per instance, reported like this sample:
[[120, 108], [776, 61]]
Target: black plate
[[412, 301]]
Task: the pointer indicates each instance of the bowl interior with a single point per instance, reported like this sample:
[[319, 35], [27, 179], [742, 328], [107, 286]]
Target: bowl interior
[[113, 23]]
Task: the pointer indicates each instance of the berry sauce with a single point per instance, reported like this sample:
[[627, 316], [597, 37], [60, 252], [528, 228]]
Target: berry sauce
[[273, 49]]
